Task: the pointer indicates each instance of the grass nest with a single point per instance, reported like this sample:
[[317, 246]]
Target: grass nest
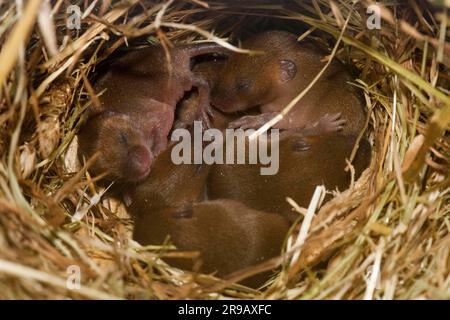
[[387, 237]]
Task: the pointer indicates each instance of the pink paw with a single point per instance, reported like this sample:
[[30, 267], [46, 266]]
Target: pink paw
[[330, 123]]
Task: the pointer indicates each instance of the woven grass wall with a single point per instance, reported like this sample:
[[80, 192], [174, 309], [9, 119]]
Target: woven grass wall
[[386, 237]]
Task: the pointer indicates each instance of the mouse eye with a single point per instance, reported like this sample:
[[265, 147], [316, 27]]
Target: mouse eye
[[123, 138], [243, 85]]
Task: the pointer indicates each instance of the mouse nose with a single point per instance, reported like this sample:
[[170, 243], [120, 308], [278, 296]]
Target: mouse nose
[[138, 163]]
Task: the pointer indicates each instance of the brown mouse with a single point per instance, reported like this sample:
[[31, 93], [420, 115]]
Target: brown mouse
[[124, 141], [304, 163], [228, 235], [171, 185], [272, 79], [136, 111], [210, 70]]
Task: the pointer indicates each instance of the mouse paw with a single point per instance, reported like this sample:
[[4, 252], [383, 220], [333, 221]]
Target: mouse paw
[[252, 122], [128, 197], [300, 146], [330, 123], [205, 116]]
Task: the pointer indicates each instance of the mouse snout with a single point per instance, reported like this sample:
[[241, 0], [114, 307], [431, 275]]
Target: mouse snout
[[139, 161]]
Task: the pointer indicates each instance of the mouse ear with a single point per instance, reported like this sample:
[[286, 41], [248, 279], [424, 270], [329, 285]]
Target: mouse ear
[[288, 70]]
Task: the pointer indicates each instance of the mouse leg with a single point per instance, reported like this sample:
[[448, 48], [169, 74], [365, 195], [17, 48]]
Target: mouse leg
[[187, 111], [253, 122], [204, 110], [327, 124]]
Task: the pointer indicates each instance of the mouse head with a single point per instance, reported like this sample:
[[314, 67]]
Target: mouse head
[[249, 81], [125, 154]]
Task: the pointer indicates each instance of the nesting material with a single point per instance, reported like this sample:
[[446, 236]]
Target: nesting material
[[387, 237]]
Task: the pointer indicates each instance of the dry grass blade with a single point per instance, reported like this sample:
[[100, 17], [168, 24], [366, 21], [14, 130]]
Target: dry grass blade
[[10, 51], [387, 237]]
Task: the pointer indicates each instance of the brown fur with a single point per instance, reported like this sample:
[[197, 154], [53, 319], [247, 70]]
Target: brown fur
[[229, 235], [142, 90], [271, 80], [171, 186], [304, 163], [210, 70]]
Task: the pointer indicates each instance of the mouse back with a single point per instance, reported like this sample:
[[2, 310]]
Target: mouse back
[[228, 235], [304, 163]]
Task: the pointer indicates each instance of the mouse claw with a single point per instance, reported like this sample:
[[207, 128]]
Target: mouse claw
[[127, 199], [330, 123], [205, 115], [205, 121], [300, 146]]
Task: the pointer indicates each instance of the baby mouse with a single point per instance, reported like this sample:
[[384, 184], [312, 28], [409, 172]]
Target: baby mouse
[[304, 163], [186, 112], [171, 185], [136, 111], [228, 235], [127, 144], [272, 79], [152, 75]]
